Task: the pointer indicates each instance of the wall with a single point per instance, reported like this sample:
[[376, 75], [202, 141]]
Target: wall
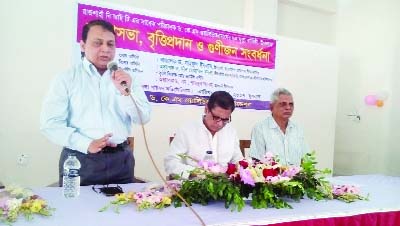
[[311, 20], [34, 49], [367, 37], [368, 42], [38, 40]]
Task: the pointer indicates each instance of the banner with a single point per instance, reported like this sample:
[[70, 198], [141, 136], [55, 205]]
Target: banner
[[182, 63]]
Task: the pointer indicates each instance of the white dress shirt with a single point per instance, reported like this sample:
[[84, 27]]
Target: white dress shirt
[[290, 147], [83, 105], [194, 139]]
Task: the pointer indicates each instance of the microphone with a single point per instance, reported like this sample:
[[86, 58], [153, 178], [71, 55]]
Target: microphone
[[112, 66]]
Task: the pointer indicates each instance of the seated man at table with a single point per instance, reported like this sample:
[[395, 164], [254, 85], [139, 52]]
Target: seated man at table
[[278, 134], [212, 132]]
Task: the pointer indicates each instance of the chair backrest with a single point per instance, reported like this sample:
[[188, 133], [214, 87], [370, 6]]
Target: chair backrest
[[243, 144], [131, 141], [171, 139]]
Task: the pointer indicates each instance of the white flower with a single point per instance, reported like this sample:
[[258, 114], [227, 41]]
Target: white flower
[[14, 204], [276, 179]]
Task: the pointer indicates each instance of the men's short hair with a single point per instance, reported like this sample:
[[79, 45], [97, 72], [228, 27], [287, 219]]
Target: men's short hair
[[104, 24], [221, 99], [280, 91]]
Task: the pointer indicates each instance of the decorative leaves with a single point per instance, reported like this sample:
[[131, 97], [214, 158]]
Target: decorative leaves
[[266, 183]]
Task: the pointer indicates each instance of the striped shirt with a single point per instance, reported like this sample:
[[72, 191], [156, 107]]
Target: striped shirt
[[268, 137]]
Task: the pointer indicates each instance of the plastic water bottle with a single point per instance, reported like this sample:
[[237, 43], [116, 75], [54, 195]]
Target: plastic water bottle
[[71, 178], [209, 156]]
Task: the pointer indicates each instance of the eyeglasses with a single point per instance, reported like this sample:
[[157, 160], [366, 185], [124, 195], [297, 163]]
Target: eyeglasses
[[219, 119]]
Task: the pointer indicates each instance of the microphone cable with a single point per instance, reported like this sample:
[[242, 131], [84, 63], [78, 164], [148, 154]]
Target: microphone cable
[[152, 159]]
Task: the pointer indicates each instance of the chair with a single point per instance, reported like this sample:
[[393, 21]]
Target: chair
[[243, 144], [131, 141]]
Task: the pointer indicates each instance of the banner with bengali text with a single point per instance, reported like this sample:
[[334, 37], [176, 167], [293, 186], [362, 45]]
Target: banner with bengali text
[[183, 63]]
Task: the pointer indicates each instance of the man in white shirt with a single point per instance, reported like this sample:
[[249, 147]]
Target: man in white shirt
[[212, 132], [278, 134]]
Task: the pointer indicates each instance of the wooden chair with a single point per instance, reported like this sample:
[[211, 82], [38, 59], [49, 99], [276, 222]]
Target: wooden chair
[[131, 141], [243, 144]]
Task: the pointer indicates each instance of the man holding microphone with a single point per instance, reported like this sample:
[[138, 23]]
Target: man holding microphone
[[89, 112]]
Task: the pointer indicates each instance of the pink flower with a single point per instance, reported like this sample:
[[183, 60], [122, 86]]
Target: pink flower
[[205, 164], [246, 177], [217, 169], [269, 159], [174, 185], [353, 190], [291, 171], [138, 196], [3, 203], [211, 166], [156, 198], [339, 190]]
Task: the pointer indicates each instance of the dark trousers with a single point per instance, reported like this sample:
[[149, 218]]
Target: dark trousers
[[110, 166]]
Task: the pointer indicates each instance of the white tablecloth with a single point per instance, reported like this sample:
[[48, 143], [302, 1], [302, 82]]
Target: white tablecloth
[[383, 191]]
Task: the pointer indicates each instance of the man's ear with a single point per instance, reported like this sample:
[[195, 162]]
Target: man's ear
[[82, 45], [205, 109]]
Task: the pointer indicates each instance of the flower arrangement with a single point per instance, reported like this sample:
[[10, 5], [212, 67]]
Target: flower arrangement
[[265, 183], [155, 197], [347, 193], [16, 201]]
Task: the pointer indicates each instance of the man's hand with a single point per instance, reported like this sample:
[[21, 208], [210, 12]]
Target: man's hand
[[119, 76], [96, 145]]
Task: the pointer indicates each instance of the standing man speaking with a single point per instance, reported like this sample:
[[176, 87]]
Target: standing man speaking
[[89, 112]]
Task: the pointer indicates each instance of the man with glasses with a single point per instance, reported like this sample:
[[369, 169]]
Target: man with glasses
[[212, 133], [278, 134]]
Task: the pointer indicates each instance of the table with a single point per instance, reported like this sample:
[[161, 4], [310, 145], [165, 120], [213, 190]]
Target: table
[[384, 204]]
